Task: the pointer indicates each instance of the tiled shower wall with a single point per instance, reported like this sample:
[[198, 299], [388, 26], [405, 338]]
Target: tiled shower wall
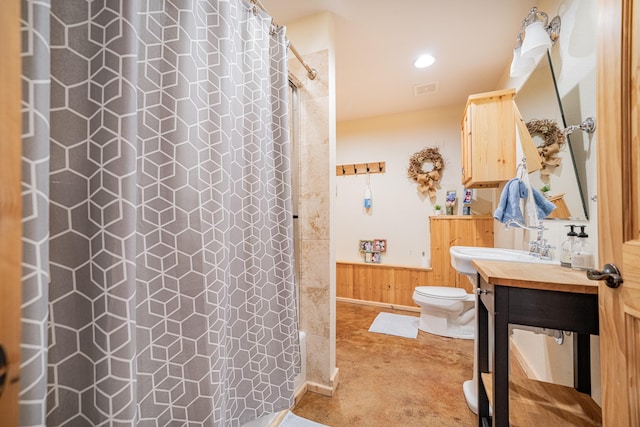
[[317, 295]]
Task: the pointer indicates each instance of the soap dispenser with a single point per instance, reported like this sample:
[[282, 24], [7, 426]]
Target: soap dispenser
[[581, 256], [567, 247]]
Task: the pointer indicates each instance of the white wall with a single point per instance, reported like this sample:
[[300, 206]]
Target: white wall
[[399, 212]]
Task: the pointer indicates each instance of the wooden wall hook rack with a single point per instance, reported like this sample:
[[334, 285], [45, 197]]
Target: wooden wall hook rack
[[360, 168]]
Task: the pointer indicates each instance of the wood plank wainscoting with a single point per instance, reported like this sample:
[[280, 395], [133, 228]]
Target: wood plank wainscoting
[[393, 285], [456, 230], [380, 283]]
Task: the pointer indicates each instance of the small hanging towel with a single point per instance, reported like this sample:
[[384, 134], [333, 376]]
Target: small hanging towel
[[509, 204]]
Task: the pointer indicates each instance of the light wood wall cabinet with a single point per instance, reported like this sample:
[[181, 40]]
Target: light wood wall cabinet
[[488, 139], [456, 230]]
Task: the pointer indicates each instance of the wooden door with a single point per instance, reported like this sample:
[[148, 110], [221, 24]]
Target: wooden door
[[619, 208], [10, 206]]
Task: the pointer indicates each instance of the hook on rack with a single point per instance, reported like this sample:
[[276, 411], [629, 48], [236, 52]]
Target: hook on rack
[[360, 168]]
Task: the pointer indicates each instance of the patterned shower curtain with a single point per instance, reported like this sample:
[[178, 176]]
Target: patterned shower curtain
[[158, 263]]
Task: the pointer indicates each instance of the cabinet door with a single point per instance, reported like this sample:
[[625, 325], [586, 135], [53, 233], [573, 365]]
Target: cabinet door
[[489, 139], [466, 153], [493, 143]]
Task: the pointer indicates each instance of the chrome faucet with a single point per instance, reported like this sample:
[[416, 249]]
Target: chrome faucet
[[540, 247], [546, 251]]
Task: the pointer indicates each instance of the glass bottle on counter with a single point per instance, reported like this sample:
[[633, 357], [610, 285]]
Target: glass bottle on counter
[[567, 247], [581, 255]]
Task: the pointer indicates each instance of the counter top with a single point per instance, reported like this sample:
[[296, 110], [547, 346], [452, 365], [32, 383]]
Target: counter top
[[547, 277]]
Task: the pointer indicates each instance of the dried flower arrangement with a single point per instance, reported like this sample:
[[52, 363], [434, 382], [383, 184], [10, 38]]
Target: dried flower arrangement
[[427, 181]]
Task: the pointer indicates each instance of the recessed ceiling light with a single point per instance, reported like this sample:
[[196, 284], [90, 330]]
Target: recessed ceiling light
[[424, 61]]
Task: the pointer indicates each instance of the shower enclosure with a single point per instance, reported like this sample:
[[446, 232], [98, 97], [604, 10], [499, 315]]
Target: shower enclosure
[[158, 270], [294, 138]]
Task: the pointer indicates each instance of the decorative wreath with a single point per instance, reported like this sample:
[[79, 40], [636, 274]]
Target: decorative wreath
[[554, 139], [427, 181]]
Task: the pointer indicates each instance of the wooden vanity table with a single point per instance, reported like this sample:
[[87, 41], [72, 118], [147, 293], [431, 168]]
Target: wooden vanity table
[[539, 295]]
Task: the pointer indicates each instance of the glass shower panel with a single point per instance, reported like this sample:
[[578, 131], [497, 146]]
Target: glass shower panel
[[294, 137]]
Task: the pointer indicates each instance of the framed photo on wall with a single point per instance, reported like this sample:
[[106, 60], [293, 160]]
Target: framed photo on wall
[[372, 257], [365, 245], [380, 245]]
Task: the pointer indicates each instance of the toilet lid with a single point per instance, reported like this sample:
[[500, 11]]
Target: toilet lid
[[443, 292]]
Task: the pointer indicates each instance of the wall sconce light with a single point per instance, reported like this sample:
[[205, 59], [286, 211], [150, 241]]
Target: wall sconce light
[[536, 35], [519, 65]]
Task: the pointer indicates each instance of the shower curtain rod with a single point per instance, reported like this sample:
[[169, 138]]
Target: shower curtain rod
[[311, 72]]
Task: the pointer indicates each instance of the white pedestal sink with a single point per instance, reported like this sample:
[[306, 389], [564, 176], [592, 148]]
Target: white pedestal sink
[[461, 259]]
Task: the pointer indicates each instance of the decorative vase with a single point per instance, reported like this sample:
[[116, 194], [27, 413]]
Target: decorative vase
[[449, 210]]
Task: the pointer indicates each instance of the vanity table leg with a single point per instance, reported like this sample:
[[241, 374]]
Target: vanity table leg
[[482, 326], [582, 362], [501, 357]]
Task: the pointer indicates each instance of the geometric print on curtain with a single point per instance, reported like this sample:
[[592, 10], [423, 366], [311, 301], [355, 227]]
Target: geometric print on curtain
[[36, 80], [167, 287]]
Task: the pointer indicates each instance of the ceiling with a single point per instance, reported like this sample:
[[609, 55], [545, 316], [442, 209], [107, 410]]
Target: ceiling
[[377, 42]]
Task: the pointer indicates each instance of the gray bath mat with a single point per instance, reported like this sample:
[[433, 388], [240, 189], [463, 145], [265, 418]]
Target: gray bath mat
[[292, 420], [395, 324]]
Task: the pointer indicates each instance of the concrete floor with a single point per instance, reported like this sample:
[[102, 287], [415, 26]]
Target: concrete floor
[[392, 381]]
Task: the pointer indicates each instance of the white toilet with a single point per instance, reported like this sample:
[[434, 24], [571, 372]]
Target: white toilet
[[446, 311]]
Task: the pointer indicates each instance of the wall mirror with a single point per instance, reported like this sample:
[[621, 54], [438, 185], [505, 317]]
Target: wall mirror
[[538, 99]]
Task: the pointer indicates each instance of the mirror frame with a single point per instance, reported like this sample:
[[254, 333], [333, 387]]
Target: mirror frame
[[542, 100], [581, 189]]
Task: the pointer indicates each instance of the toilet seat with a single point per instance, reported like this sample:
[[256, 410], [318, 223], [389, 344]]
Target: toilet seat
[[442, 292]]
